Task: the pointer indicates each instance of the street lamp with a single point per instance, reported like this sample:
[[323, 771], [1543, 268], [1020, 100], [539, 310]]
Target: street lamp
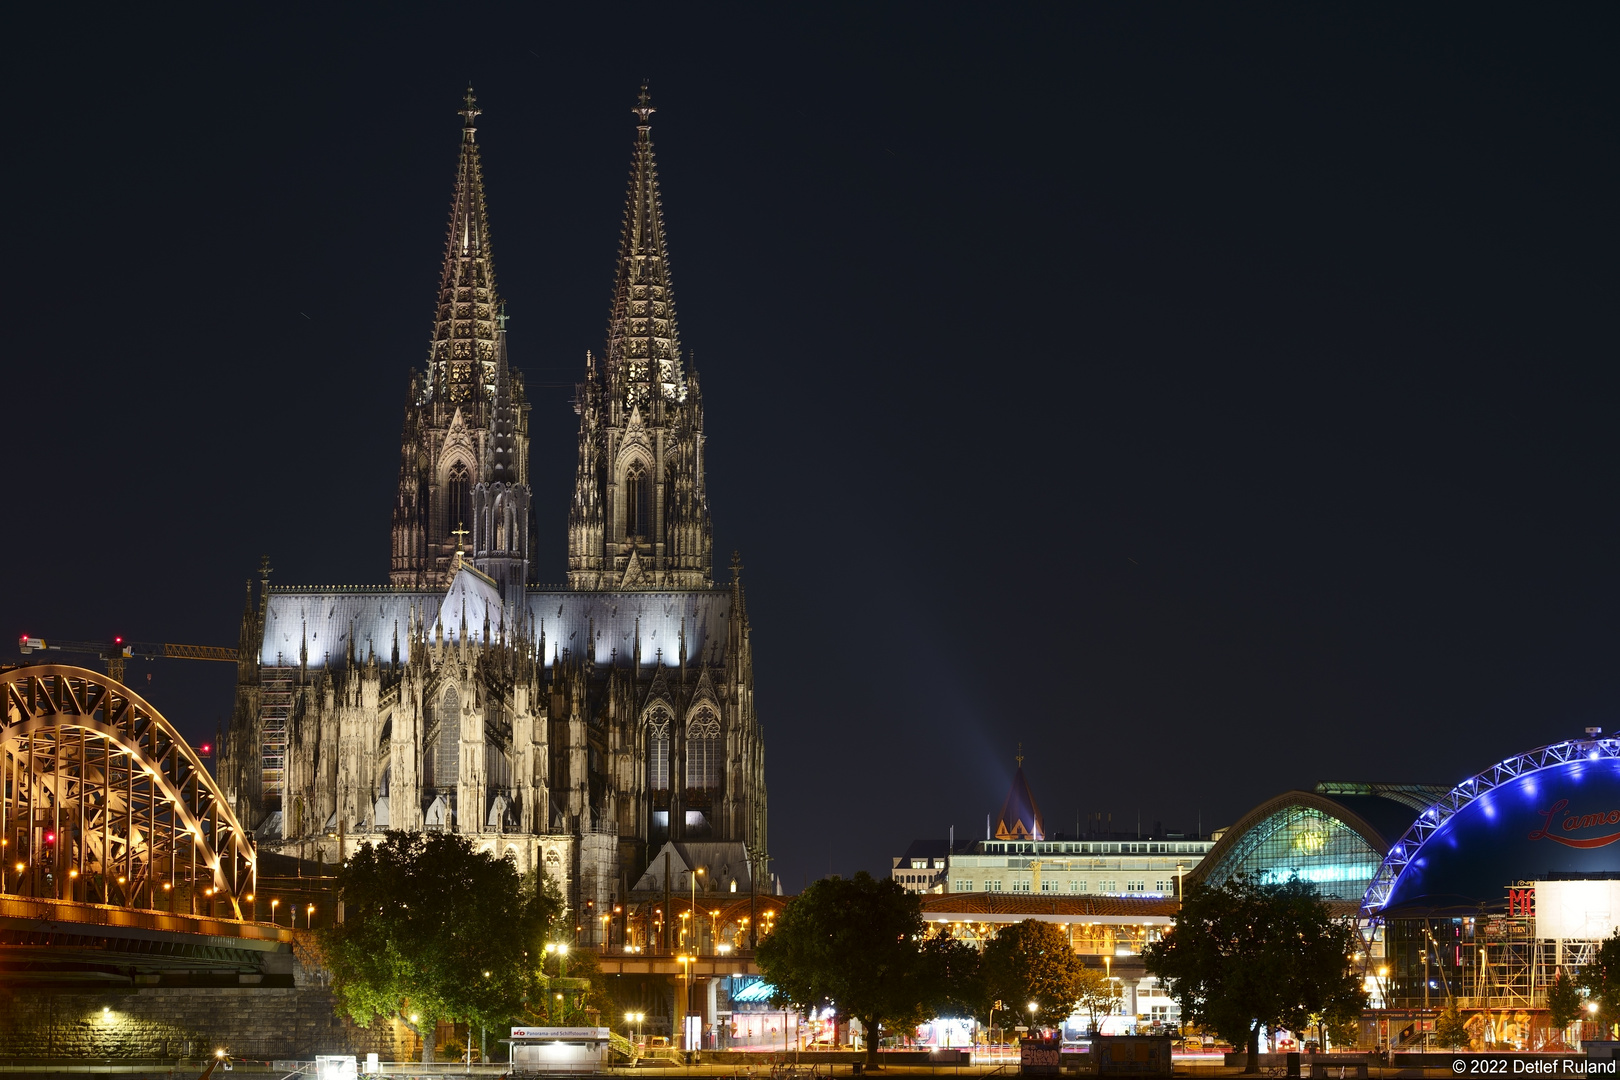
[[686, 996], [696, 871], [1032, 1008], [1383, 994], [635, 1018], [273, 905]]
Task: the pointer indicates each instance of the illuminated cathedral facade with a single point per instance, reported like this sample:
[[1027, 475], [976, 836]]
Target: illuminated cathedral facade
[[575, 727]]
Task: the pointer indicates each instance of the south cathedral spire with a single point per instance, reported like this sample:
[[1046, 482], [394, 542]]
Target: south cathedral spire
[[643, 342], [640, 516], [464, 454]]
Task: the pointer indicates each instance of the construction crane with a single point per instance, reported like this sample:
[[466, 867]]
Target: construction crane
[[116, 651]]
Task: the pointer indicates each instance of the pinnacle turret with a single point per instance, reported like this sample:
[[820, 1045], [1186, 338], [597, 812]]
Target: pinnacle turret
[[462, 358], [643, 350], [503, 443]]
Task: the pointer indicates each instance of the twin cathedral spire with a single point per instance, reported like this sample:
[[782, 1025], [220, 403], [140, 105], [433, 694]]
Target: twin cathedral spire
[[639, 517]]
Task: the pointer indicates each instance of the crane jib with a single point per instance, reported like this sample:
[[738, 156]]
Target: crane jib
[[141, 650]]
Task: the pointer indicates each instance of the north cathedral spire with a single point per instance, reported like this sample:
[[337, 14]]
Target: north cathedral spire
[[640, 516], [464, 456], [462, 358]]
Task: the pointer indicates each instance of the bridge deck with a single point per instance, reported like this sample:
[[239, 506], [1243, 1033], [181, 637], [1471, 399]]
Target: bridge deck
[[243, 934]]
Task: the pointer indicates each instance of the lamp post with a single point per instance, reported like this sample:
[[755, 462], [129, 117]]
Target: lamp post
[[686, 993], [1383, 993], [1032, 1008], [693, 909]]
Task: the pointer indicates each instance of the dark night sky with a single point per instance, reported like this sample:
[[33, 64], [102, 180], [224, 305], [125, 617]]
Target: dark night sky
[[1216, 399]]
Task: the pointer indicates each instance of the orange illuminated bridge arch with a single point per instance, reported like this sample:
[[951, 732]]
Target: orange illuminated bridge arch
[[105, 802]]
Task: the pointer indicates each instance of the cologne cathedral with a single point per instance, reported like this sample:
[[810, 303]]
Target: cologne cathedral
[[579, 728]]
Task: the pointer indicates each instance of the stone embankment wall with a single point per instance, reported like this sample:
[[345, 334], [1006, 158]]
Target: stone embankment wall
[[160, 1023]]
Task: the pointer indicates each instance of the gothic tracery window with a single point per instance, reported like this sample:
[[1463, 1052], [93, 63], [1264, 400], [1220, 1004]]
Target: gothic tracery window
[[703, 751], [638, 501], [658, 751], [447, 762], [458, 499]]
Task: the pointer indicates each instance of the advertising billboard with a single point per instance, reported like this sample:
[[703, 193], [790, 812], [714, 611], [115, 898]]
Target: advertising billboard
[[1577, 910]]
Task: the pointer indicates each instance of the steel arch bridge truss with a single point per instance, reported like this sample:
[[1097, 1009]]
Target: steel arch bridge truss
[[105, 802], [1429, 821]]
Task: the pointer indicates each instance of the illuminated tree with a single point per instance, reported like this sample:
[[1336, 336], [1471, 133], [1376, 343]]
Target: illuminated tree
[[1032, 961], [1099, 996], [1602, 979], [1449, 1029], [1243, 956], [1564, 1004], [434, 930], [856, 945]]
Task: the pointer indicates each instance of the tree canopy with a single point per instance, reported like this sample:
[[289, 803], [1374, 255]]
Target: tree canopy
[[1602, 979], [1099, 996], [856, 944], [1564, 1004], [1243, 956], [1033, 962], [1450, 1029], [433, 928]]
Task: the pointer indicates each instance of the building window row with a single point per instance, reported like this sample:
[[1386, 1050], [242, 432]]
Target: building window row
[[1098, 847], [1021, 884]]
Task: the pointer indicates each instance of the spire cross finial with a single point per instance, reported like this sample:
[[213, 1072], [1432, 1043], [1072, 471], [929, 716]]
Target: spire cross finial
[[501, 318], [1019, 757], [470, 109], [644, 107], [460, 533]]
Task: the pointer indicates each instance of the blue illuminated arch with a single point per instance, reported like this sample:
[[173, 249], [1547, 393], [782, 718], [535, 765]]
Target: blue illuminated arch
[[1554, 810]]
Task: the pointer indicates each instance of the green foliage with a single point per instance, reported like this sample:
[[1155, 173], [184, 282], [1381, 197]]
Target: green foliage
[[583, 989], [1032, 961], [1449, 1029], [1602, 978], [954, 977], [1343, 1032], [435, 928], [1244, 955], [1564, 1002], [1099, 996], [856, 943]]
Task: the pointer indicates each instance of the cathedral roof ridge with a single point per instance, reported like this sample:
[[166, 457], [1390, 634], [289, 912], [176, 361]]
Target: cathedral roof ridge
[[294, 590]]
